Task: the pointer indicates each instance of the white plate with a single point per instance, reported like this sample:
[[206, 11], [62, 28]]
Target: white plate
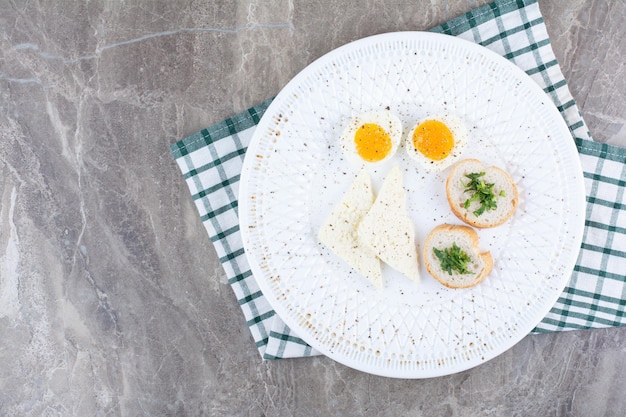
[[295, 172]]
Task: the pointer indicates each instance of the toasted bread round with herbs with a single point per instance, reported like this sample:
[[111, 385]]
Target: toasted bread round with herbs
[[481, 196], [452, 256]]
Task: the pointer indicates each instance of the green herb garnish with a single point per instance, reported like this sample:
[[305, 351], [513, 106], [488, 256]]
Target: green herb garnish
[[482, 192], [453, 258]]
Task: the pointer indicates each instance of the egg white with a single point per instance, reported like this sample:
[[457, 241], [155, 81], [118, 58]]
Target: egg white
[[459, 133], [385, 119]]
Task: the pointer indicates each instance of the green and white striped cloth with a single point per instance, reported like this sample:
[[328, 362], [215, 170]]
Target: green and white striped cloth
[[211, 162]]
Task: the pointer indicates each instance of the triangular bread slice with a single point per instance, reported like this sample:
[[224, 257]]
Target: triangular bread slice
[[339, 232], [389, 231]]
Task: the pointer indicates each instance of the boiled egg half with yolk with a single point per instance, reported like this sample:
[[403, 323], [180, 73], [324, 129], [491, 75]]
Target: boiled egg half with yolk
[[372, 137], [436, 142]]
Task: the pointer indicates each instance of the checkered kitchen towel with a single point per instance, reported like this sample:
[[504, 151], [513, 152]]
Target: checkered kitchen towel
[[211, 162]]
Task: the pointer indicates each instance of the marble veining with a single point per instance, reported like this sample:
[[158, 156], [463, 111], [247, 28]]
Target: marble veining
[[112, 300]]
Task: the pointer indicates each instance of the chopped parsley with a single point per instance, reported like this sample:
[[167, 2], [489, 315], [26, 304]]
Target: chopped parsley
[[482, 192], [453, 258]]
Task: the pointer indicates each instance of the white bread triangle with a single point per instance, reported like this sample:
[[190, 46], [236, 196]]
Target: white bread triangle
[[339, 232], [389, 231]]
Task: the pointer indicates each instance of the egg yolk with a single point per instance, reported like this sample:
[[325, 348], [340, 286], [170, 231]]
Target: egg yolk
[[373, 143], [433, 139]]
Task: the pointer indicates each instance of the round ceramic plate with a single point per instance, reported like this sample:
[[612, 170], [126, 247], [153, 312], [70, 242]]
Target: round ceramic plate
[[295, 172]]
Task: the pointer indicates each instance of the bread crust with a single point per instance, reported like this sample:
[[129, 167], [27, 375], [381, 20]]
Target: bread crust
[[474, 240], [464, 214]]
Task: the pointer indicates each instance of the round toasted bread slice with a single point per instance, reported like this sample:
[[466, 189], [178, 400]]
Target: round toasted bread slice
[[464, 194], [442, 239]]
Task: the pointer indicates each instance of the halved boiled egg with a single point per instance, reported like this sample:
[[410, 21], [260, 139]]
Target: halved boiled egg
[[437, 143], [372, 137]]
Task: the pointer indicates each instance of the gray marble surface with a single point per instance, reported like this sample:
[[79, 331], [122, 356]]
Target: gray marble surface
[[112, 301]]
